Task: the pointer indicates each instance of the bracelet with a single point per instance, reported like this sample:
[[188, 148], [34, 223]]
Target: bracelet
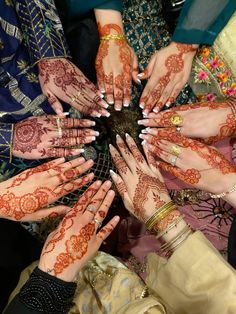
[[181, 240], [161, 213], [113, 37], [170, 226], [178, 236], [233, 189]]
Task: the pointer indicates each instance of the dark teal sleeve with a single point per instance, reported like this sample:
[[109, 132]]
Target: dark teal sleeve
[[76, 8], [202, 20]]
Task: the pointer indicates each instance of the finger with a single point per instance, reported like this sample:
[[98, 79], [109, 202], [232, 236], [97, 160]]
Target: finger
[[119, 183], [48, 165], [73, 185], [138, 157], [125, 152], [71, 141], [104, 207], [67, 173], [87, 196], [165, 95], [107, 229], [108, 79], [118, 92], [82, 133], [97, 200], [55, 104], [152, 162], [162, 119], [52, 212], [60, 152], [119, 161], [171, 148], [168, 134], [97, 98], [69, 123]]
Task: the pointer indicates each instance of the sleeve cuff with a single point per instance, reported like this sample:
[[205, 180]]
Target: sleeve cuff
[[6, 138]]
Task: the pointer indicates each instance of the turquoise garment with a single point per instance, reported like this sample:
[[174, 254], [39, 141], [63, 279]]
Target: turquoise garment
[[202, 20], [75, 8]]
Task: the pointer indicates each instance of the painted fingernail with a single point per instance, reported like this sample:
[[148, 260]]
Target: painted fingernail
[[98, 115], [81, 150], [102, 91], [140, 75], [117, 108], [65, 113], [101, 95], [139, 82], [116, 218], [111, 146], [144, 131], [111, 102], [92, 123], [127, 135], [97, 133], [141, 105], [142, 136], [113, 174], [126, 104], [143, 142], [168, 104], [145, 114], [117, 136], [93, 138], [140, 122], [107, 114], [155, 110]]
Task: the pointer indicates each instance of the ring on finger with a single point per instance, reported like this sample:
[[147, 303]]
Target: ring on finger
[[59, 129], [176, 119], [173, 160], [178, 129], [98, 223], [175, 150], [91, 208], [73, 98], [59, 132], [77, 95]]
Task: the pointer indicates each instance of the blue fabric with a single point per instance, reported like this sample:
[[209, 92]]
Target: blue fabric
[[28, 33]]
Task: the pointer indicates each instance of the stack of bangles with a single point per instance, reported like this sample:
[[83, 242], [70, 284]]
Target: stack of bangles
[[166, 218]]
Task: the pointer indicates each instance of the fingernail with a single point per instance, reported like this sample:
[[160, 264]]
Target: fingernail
[[143, 142], [117, 136], [145, 114], [126, 104], [93, 138], [117, 108], [155, 110], [139, 82], [111, 146], [81, 150], [105, 105], [144, 131], [116, 218], [98, 115], [141, 136], [140, 122], [111, 102], [65, 113], [127, 135], [113, 174], [168, 104], [90, 162], [101, 95], [141, 106], [107, 114], [140, 75], [92, 123], [102, 91], [97, 133]]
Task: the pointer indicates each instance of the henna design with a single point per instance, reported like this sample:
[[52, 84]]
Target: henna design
[[51, 99], [146, 183], [157, 200], [105, 230], [136, 153], [120, 164], [121, 188], [102, 214], [168, 220], [76, 248], [28, 135]]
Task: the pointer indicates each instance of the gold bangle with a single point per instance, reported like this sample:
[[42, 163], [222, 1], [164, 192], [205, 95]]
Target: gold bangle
[[113, 37], [166, 245], [181, 240], [170, 226], [161, 213]]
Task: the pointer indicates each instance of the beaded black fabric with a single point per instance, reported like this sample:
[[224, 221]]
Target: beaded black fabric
[[47, 294]]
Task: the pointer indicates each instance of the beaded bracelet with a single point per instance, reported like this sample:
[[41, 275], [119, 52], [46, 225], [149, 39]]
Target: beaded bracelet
[[233, 189], [113, 37]]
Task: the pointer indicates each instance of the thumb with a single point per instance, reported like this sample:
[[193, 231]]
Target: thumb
[[55, 104], [148, 71], [135, 69]]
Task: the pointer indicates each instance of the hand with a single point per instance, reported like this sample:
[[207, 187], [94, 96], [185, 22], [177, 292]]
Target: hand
[[25, 196], [191, 161], [39, 137], [76, 239], [62, 80], [169, 70], [208, 121], [140, 183], [116, 62]]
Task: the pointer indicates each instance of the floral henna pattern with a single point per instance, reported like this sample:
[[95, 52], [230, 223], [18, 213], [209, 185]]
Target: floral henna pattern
[[165, 222], [76, 248], [157, 200], [19, 206], [28, 135], [119, 163], [146, 184]]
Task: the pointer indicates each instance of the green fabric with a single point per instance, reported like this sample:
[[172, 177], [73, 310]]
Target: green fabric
[[75, 8], [202, 20]]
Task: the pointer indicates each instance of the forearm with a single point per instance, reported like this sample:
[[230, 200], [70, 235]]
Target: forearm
[[43, 293], [111, 19]]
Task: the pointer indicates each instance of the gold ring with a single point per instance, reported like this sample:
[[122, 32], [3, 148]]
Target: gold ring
[[175, 150], [58, 121], [59, 132], [99, 224], [73, 99], [77, 95], [173, 160], [176, 120]]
